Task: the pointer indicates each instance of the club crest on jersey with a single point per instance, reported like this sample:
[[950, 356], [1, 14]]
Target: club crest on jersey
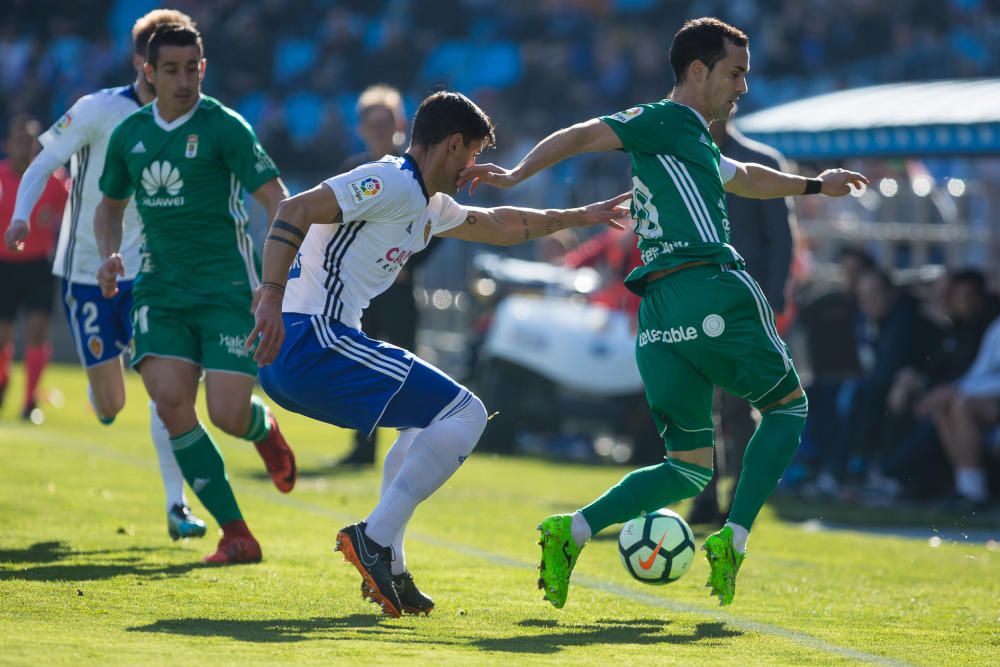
[[192, 146], [627, 115], [96, 346], [427, 232], [713, 325], [365, 188]]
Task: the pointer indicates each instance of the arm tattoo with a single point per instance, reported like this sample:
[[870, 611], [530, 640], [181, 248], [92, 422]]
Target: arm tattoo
[[285, 227], [281, 239], [471, 220], [527, 229], [554, 225], [277, 287]]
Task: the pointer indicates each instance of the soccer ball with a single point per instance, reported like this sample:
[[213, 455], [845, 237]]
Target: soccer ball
[[657, 548]]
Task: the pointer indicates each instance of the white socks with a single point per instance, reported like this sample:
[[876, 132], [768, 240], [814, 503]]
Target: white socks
[[173, 480], [580, 529], [740, 537], [971, 483], [435, 455], [393, 462]]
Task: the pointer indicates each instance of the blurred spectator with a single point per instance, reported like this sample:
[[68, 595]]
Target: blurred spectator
[[614, 253], [964, 412], [916, 463], [26, 276], [893, 334], [828, 316]]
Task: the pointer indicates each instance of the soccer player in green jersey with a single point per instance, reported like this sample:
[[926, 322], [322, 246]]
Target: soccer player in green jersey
[[703, 321], [187, 159]]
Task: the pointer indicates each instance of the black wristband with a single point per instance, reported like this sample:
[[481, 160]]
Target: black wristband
[[277, 287], [813, 186]]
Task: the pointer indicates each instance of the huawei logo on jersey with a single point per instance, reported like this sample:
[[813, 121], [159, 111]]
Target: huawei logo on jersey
[[161, 175]]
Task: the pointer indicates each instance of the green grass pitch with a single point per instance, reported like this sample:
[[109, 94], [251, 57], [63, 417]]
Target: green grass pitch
[[88, 575]]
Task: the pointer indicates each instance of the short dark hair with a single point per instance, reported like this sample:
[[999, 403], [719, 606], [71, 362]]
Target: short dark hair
[[971, 277], [881, 275], [702, 39], [856, 252], [145, 25], [444, 113], [172, 34]]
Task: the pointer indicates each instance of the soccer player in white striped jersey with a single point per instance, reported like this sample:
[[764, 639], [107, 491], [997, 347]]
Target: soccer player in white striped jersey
[[335, 247], [102, 328]]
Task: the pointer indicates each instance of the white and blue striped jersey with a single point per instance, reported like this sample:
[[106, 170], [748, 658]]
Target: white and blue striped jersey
[[80, 137], [387, 217]]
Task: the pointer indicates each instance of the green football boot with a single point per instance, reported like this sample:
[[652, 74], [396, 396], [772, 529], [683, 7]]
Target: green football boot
[[559, 554], [724, 564]]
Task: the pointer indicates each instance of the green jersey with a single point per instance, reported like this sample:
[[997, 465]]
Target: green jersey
[[678, 200], [188, 177]]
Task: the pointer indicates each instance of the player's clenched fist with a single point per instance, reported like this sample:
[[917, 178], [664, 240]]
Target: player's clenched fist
[[268, 328], [107, 275]]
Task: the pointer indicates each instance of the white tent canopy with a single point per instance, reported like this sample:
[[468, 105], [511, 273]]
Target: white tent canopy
[[939, 117]]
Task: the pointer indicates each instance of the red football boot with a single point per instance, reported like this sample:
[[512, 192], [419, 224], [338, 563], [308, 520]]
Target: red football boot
[[278, 457], [236, 546]]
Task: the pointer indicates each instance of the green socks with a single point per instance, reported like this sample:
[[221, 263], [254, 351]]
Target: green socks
[[260, 425], [768, 454], [204, 470], [646, 490]]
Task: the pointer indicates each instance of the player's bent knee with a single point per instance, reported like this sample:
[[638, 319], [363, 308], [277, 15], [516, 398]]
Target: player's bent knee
[[474, 416], [178, 416], [702, 457], [468, 416], [107, 405]]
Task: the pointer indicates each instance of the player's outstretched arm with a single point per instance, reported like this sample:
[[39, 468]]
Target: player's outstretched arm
[[756, 181], [509, 225], [588, 137], [292, 220], [108, 233]]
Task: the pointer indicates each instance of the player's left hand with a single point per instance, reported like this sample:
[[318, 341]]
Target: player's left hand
[[609, 212], [15, 235], [268, 326], [491, 174], [108, 273], [839, 182]]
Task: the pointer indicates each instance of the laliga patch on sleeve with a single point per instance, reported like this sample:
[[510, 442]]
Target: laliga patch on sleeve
[[365, 188], [627, 115], [62, 123]]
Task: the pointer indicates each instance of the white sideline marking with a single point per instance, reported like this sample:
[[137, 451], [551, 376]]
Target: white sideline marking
[[801, 638]]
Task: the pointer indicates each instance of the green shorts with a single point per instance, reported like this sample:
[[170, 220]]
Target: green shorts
[[703, 327], [209, 336]]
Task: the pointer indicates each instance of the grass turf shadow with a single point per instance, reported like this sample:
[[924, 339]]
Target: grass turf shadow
[[272, 630], [557, 636], [116, 563]]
